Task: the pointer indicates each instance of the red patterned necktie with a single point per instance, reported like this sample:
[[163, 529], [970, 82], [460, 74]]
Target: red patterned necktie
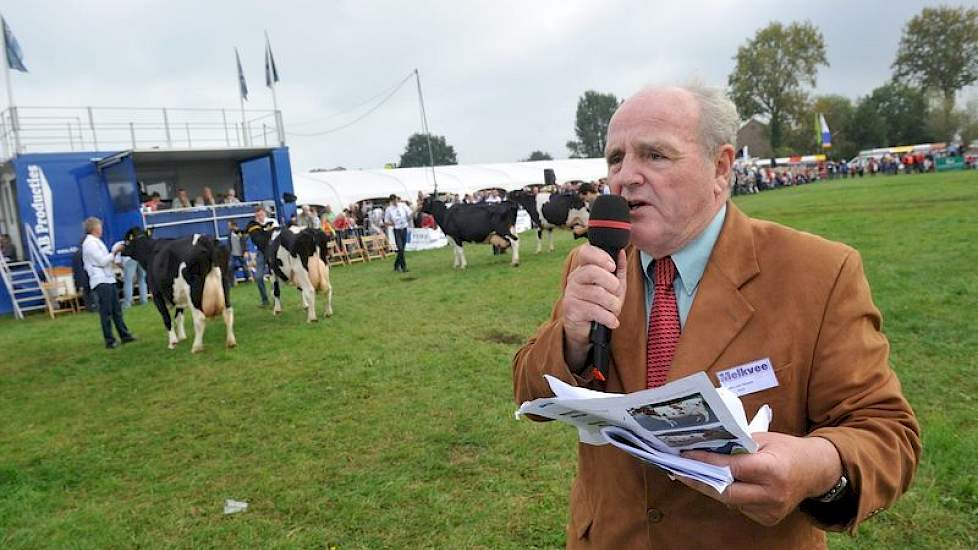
[[663, 324]]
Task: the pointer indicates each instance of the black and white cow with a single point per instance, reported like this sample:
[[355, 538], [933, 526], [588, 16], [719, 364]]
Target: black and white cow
[[476, 223], [185, 273], [548, 211], [297, 256]]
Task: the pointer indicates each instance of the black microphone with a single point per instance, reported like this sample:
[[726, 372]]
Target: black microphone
[[608, 228]]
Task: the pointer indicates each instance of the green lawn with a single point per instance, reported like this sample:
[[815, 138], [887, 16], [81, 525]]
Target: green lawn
[[391, 425]]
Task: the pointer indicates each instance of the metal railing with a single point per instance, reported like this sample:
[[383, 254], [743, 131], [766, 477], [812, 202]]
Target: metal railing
[[37, 257], [213, 215], [58, 129]]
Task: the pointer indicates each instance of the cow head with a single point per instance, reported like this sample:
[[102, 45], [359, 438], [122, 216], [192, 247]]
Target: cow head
[[138, 245], [588, 192], [322, 239], [431, 205], [259, 234], [528, 201]]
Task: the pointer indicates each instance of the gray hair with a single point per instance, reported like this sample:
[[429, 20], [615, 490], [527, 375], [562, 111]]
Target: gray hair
[[90, 224], [719, 120]]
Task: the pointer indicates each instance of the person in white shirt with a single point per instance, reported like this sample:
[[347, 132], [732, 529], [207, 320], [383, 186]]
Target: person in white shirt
[[98, 263], [398, 215]]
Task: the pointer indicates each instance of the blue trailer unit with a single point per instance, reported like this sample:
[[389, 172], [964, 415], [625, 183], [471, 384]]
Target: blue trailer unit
[[51, 194]]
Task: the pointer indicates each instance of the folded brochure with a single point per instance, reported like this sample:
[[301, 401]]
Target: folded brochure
[[656, 425]]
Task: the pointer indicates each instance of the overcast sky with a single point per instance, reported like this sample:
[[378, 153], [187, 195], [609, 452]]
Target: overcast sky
[[500, 78]]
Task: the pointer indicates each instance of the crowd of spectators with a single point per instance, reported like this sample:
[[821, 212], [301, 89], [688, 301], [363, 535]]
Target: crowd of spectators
[[755, 178], [153, 202]]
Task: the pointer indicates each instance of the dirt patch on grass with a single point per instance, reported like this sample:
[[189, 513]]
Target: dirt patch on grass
[[500, 337]]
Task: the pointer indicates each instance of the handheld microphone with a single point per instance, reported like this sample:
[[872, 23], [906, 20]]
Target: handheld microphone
[[608, 228]]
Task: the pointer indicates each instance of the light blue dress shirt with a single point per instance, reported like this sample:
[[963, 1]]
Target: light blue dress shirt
[[690, 264]]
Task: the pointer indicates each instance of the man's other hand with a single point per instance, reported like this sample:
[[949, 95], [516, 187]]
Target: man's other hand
[[595, 291], [769, 484]]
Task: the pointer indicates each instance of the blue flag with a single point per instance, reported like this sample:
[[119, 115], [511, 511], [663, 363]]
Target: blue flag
[[242, 85], [825, 136], [271, 71], [15, 57]]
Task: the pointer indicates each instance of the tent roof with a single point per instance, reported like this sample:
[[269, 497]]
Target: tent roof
[[342, 188]]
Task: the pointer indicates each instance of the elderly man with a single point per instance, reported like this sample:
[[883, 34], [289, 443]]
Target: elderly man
[[701, 288], [98, 261]]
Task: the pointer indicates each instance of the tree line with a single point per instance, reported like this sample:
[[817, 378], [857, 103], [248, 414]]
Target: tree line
[[773, 80], [777, 69]]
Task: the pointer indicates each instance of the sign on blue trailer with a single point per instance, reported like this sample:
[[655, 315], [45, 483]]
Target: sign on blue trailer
[[57, 191]]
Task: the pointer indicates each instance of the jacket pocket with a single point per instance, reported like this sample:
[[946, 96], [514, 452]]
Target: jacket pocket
[[781, 399]]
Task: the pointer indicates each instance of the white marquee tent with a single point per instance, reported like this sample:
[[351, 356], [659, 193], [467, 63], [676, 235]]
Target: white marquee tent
[[342, 188]]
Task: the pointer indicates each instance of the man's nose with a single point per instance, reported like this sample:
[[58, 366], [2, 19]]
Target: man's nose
[[629, 174]]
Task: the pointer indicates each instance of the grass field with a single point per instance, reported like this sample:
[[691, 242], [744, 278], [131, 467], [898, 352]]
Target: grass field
[[391, 425]]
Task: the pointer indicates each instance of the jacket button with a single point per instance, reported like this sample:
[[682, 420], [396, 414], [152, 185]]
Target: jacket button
[[655, 516]]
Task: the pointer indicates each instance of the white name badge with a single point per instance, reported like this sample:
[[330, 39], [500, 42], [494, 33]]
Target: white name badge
[[749, 378]]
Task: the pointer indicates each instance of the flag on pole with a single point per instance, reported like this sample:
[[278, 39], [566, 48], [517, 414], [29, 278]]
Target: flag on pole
[[242, 85], [15, 57], [271, 71], [822, 129]]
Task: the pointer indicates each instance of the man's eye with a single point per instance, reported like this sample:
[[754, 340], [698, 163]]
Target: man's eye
[[614, 159]]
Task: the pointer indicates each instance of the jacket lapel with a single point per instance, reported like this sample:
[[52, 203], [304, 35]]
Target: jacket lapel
[[719, 309], [628, 341]]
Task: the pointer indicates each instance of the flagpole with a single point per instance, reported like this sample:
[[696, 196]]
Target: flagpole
[[424, 124], [279, 126], [239, 76], [14, 126], [244, 129]]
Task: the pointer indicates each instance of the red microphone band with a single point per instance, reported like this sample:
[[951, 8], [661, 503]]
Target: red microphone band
[[609, 224]]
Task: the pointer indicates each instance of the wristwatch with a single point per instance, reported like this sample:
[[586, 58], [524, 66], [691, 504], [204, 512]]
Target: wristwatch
[[836, 492]]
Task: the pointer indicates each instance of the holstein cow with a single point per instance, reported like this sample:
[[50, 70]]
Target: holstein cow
[[476, 223], [569, 210], [185, 273], [297, 256]]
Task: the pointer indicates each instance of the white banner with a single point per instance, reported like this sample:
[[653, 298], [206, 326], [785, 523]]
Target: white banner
[[420, 239]]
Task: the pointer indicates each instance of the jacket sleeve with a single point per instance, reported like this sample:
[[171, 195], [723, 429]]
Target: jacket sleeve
[[544, 353], [855, 401]]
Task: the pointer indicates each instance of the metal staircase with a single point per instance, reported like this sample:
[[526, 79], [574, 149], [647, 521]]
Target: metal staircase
[[23, 286], [24, 283]]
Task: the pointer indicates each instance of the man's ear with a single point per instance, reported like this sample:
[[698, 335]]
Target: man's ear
[[723, 167]]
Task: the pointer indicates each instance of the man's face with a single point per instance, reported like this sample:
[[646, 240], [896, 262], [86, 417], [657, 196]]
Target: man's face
[[97, 231], [260, 216], [656, 162]]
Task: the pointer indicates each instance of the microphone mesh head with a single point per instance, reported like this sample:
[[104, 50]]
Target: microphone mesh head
[[609, 225]]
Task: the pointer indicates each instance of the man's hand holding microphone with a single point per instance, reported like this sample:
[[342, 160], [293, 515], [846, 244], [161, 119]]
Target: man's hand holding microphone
[[596, 287]]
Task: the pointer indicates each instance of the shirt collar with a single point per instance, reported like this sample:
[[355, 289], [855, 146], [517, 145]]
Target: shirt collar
[[691, 259]]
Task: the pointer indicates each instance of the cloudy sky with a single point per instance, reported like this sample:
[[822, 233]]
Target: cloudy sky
[[500, 78]]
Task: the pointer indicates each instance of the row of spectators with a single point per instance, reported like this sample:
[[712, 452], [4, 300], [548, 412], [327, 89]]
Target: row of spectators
[[206, 198]]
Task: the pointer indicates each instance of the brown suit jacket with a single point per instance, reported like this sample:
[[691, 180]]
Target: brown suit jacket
[[768, 291]]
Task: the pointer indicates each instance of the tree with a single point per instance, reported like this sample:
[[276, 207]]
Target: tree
[[594, 112], [893, 114], [969, 117], [539, 155], [416, 152], [771, 69], [937, 52]]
